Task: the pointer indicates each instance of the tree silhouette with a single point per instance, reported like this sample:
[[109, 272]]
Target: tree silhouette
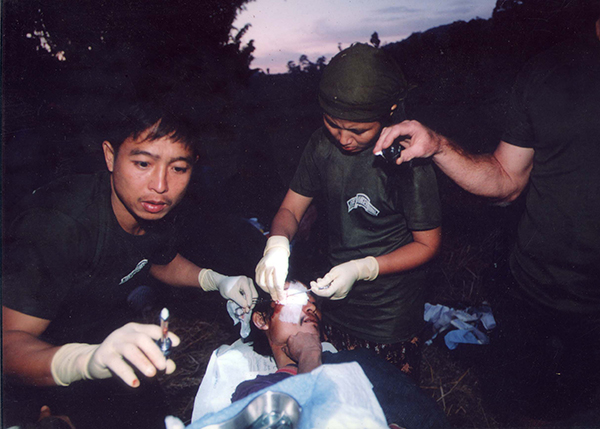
[[64, 61], [375, 40], [305, 66]]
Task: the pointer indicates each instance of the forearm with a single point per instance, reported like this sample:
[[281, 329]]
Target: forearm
[[289, 215], [309, 360], [502, 175], [422, 250], [179, 272], [27, 360], [481, 175], [285, 224]]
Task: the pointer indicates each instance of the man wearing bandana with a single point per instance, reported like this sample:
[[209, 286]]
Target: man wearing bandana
[[383, 222]]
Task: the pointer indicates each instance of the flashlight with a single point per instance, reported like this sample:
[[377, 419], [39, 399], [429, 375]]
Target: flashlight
[[391, 153]]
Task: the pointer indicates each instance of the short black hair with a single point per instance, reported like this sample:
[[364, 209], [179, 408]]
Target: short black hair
[[170, 115]]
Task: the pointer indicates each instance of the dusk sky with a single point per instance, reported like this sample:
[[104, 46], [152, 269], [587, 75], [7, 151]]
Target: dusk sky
[[285, 29]]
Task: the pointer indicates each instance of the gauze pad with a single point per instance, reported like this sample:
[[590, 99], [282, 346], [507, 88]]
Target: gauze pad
[[296, 297]]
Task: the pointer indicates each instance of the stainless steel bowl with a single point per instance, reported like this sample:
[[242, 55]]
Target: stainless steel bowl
[[271, 410]]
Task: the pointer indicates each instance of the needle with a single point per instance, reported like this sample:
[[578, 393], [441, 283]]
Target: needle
[[298, 292], [308, 290]]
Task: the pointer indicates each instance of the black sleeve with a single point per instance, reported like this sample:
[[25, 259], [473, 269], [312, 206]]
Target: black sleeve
[[519, 129], [44, 253], [307, 179], [420, 197]]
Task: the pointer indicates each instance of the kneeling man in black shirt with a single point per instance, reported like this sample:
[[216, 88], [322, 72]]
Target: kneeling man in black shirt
[[70, 257]]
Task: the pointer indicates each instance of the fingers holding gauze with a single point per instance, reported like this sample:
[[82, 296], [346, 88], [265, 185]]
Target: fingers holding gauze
[[239, 289], [132, 346]]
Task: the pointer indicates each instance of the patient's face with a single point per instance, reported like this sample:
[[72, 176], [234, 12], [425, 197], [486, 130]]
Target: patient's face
[[298, 313]]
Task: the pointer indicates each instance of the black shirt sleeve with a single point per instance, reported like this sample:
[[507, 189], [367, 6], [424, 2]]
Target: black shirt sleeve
[[420, 197], [44, 252], [519, 130], [307, 180]]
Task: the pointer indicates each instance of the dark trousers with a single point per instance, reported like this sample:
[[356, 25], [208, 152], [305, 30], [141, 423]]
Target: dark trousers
[[541, 363], [89, 404]]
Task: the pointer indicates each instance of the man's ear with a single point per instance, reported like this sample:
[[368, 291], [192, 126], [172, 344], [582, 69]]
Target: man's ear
[[259, 321], [109, 155]]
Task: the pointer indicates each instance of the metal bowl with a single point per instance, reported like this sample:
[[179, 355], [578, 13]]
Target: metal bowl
[[271, 410]]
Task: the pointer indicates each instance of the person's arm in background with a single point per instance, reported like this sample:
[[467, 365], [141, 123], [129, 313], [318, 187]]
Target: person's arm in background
[[181, 272], [272, 269], [29, 360], [502, 175]]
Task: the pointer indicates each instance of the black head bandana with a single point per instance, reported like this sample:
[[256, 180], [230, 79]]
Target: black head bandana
[[363, 84]]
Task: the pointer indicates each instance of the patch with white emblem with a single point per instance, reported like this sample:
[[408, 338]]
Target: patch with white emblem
[[364, 202]]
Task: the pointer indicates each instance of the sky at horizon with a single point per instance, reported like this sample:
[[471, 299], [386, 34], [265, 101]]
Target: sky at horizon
[[283, 30]]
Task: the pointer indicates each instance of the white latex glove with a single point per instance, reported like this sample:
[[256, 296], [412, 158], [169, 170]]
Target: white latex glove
[[239, 288], [131, 345], [272, 269], [338, 282]]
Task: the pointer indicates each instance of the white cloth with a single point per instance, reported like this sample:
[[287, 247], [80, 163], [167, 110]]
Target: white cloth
[[331, 396], [229, 365], [442, 318]]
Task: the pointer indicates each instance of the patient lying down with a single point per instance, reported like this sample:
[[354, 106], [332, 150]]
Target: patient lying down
[[290, 332]]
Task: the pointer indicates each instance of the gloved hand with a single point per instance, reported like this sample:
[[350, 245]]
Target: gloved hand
[[133, 343], [239, 288], [272, 269], [338, 282]]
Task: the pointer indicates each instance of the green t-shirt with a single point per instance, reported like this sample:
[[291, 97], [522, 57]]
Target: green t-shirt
[[372, 207]]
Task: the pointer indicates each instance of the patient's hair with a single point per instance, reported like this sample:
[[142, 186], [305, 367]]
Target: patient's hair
[[259, 340]]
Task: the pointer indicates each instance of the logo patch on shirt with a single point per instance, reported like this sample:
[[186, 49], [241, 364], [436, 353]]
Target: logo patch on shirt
[[363, 201], [136, 270]]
